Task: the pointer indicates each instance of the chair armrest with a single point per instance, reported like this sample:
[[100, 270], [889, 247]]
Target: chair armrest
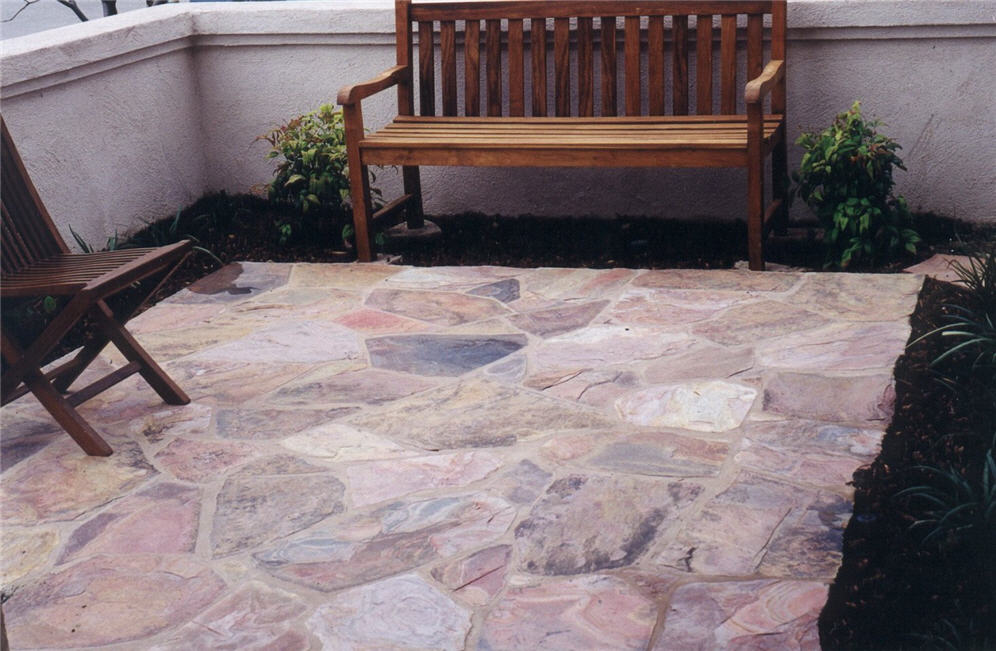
[[353, 94], [760, 86]]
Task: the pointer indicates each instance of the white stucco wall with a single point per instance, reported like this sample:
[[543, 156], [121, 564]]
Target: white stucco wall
[[134, 116]]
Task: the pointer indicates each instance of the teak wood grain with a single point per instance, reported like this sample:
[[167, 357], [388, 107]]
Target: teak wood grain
[[572, 67], [36, 263]]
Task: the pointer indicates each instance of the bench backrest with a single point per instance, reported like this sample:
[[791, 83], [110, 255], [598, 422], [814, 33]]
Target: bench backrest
[[585, 58], [28, 232]]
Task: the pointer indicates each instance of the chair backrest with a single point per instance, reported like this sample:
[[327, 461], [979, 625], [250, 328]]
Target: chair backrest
[[630, 48], [28, 233]]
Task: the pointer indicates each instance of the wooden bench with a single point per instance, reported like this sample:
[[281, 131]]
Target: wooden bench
[[640, 116]]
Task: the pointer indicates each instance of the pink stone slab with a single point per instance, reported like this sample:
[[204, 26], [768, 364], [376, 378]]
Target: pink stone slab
[[110, 599], [589, 612], [744, 615], [718, 279], [707, 406], [256, 616], [837, 347], [376, 322], [376, 481], [478, 577], [939, 266], [440, 308], [162, 519], [62, 483], [201, 461], [838, 398], [860, 297]]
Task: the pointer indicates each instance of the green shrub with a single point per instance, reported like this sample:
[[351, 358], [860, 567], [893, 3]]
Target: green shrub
[[313, 175], [846, 179]]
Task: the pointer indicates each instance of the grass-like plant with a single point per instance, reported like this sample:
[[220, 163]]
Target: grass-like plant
[[846, 178]]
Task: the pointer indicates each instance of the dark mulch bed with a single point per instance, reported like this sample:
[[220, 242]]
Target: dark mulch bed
[[894, 591]]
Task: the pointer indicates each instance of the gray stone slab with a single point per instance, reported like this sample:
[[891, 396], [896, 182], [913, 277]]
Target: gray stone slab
[[440, 355]]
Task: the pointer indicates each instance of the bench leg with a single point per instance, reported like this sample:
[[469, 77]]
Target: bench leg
[[755, 213], [414, 214]]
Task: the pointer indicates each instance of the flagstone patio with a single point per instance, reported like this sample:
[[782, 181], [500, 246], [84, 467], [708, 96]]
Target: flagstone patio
[[387, 457]]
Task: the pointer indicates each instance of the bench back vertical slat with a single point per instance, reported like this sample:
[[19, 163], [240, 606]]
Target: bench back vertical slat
[[755, 45], [631, 63], [562, 66], [644, 51], [493, 64], [447, 66], [426, 69], [29, 234], [472, 68], [516, 69], [655, 65], [586, 67], [609, 65], [537, 47], [406, 97], [728, 65], [778, 25], [679, 64], [703, 65]]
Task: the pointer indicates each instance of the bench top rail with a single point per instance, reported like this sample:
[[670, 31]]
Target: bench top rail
[[524, 58]]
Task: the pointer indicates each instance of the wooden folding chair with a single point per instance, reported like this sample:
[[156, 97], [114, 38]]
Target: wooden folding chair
[[36, 263]]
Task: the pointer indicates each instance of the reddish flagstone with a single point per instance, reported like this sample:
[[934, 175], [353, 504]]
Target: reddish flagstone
[[841, 399], [589, 612], [254, 617], [744, 615], [62, 483], [558, 320], [202, 461], [755, 321], [434, 307], [717, 279], [478, 577], [162, 519], [376, 481], [110, 599], [376, 322]]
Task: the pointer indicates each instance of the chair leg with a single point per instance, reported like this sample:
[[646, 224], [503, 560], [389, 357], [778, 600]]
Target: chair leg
[[167, 389], [359, 183], [413, 186], [64, 414]]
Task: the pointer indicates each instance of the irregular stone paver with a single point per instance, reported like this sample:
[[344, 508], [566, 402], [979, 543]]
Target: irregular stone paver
[[262, 424], [200, 461], [744, 615], [558, 537], [403, 612], [330, 386], [590, 612], [61, 484], [110, 599], [733, 532], [395, 538], [238, 281], [478, 577], [504, 290], [254, 617], [701, 362], [860, 297], [557, 320], [162, 519], [941, 267], [718, 279], [749, 323], [376, 481], [260, 507], [434, 307], [476, 414], [23, 551], [435, 355], [660, 460], [840, 399], [712, 406], [662, 454]]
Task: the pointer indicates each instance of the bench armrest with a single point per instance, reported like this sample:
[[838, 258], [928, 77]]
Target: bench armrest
[[353, 94], [760, 86]]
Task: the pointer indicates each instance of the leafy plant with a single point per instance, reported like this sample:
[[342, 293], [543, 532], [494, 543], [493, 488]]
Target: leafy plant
[[313, 174], [845, 177], [86, 247], [167, 231]]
